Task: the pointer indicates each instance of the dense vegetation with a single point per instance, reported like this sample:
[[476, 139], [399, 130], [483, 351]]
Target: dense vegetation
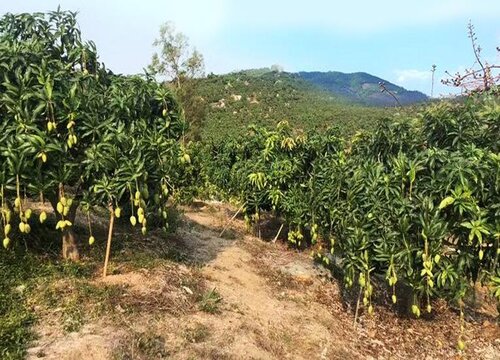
[[415, 200], [75, 134], [265, 98]]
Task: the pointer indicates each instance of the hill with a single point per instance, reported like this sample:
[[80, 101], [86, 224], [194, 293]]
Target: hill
[[261, 97], [362, 87]]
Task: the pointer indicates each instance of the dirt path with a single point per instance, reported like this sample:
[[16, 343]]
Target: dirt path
[[242, 298], [260, 323]]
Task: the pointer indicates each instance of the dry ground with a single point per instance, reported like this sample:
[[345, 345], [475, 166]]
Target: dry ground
[[237, 297]]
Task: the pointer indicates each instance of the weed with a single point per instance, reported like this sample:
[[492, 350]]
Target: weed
[[210, 302], [198, 334], [143, 345], [73, 317], [230, 234], [78, 300]]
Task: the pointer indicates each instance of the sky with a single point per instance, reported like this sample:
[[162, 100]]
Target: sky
[[397, 40]]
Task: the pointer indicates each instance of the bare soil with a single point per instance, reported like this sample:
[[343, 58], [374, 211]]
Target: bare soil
[[238, 297]]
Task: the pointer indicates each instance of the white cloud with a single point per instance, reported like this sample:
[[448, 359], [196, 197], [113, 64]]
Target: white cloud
[[421, 80], [412, 75]]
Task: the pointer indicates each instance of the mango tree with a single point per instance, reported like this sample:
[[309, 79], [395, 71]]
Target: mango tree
[[73, 133], [414, 202]]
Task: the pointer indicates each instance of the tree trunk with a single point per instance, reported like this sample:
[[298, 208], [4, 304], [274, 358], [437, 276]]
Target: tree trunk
[[69, 247], [69, 240]]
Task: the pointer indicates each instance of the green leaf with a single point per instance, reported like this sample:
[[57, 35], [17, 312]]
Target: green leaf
[[467, 225], [447, 201], [48, 88]]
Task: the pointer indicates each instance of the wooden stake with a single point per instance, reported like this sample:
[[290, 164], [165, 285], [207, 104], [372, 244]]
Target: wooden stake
[[279, 232], [357, 308], [230, 221], [110, 236]]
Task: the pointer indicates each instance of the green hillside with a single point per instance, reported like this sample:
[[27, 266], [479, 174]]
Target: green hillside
[[261, 97], [362, 87]]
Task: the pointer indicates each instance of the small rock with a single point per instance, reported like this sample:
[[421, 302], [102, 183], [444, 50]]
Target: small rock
[[324, 353], [298, 271]]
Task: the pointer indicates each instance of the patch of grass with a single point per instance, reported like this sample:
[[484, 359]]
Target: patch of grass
[[195, 281], [210, 353], [73, 318], [29, 279], [57, 268], [136, 252], [230, 234], [210, 302], [274, 342], [78, 300], [143, 346], [198, 334], [15, 326], [15, 317], [20, 273], [176, 255], [174, 216]]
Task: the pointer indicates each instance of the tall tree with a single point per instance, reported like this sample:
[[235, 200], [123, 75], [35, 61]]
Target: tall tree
[[182, 67]]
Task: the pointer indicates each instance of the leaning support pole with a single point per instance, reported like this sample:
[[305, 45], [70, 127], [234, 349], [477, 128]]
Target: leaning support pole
[[110, 236], [230, 221], [279, 232]]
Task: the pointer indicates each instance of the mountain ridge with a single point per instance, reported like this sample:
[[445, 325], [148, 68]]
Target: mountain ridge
[[362, 87], [358, 87]]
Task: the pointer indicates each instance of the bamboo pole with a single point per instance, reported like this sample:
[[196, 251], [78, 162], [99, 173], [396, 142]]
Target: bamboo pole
[[230, 221], [110, 236], [279, 232]]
